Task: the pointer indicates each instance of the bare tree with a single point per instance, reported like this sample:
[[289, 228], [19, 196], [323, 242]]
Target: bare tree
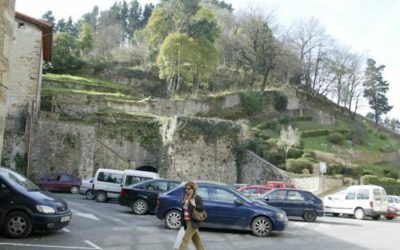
[[289, 138]]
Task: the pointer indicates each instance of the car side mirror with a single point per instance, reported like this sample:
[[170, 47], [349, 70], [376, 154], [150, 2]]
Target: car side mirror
[[266, 198], [329, 198], [238, 202]]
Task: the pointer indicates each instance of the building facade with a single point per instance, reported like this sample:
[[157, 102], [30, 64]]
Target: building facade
[[7, 9]]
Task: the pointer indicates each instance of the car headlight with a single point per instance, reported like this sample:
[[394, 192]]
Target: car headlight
[[45, 209], [281, 216]]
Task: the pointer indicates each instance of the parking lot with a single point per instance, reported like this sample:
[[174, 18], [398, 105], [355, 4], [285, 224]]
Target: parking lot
[[111, 226]]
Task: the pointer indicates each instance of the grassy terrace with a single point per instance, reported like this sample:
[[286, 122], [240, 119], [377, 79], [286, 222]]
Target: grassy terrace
[[84, 81], [114, 96]]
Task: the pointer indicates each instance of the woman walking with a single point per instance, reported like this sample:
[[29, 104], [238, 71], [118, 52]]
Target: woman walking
[[191, 201]]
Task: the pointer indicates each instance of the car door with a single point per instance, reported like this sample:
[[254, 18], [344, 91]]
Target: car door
[[64, 182], [5, 194], [152, 191], [276, 198], [295, 203], [228, 214]]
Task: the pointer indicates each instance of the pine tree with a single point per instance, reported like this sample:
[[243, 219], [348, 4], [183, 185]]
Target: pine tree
[[375, 88]]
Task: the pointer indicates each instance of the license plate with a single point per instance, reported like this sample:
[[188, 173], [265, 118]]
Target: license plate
[[65, 218]]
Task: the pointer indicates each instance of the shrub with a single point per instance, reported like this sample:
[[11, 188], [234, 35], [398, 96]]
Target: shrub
[[354, 172], [295, 153], [280, 102], [308, 154], [382, 137], [275, 157], [389, 184], [386, 148], [334, 169], [257, 146], [302, 118], [298, 165], [336, 138], [316, 132], [251, 102], [284, 120]]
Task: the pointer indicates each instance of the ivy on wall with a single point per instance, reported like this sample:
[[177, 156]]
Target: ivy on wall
[[210, 129]]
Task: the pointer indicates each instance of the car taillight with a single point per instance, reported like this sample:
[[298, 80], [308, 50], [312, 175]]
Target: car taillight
[[124, 192], [371, 204]]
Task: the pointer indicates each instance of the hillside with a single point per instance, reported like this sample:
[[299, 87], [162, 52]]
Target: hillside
[[350, 146]]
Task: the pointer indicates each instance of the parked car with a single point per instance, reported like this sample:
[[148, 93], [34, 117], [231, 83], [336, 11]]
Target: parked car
[[226, 208], [295, 202], [142, 197], [279, 184], [24, 207], [107, 183], [61, 182], [86, 189], [393, 207], [253, 191], [359, 201]]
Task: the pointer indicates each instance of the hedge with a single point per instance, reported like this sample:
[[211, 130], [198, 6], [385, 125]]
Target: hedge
[[391, 186], [297, 165]]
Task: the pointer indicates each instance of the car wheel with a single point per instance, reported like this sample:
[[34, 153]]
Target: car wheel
[[173, 219], [74, 190], [335, 214], [376, 217], [261, 226], [140, 206], [89, 195], [17, 225], [101, 196], [359, 214], [309, 216]]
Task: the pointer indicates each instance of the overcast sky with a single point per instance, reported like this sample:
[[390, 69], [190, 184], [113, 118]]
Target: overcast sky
[[367, 26]]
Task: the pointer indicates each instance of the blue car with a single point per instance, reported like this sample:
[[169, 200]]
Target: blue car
[[295, 202], [226, 208]]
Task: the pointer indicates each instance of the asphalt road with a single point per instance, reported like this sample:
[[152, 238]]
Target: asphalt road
[[111, 226]]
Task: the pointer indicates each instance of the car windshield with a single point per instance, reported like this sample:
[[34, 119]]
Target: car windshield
[[21, 181]]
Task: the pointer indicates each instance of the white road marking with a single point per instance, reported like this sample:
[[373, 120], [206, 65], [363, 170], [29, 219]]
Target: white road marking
[[48, 246], [65, 230], [92, 244], [86, 215]]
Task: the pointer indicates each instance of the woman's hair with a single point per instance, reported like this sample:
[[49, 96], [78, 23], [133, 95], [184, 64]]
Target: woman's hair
[[193, 186]]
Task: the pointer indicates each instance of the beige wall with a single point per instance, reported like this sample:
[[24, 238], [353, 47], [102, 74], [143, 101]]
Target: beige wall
[[25, 72], [7, 8]]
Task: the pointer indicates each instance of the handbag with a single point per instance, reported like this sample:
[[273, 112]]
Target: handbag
[[179, 238], [199, 216]]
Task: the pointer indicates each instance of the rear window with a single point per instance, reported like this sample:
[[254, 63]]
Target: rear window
[[350, 195], [377, 194], [363, 194], [135, 179], [110, 177]]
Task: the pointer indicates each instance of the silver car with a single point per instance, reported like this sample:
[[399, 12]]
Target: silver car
[[86, 189]]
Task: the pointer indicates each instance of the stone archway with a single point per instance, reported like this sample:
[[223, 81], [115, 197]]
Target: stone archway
[[148, 169]]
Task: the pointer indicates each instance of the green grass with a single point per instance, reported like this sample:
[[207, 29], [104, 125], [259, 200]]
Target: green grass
[[83, 80], [378, 169], [117, 96]]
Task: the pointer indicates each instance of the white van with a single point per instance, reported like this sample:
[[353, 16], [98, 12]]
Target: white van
[[107, 183], [358, 200], [135, 176]]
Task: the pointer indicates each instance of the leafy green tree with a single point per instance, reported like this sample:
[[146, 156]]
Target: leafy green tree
[[134, 17], [85, 39], [147, 11], [182, 59], [375, 88], [92, 18], [49, 17], [203, 25], [66, 53]]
